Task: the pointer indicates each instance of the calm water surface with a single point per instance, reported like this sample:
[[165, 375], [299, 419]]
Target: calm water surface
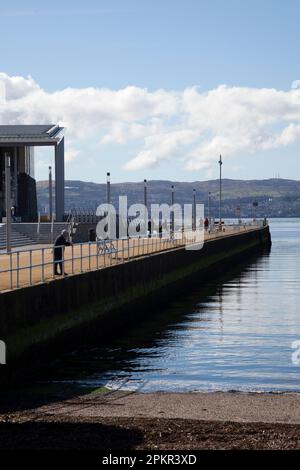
[[233, 334]]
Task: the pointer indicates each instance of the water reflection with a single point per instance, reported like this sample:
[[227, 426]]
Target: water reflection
[[233, 333]]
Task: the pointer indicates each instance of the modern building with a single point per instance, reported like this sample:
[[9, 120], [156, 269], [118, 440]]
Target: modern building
[[18, 143]]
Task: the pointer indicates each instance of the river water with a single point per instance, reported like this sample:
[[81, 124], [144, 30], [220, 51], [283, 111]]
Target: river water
[[234, 333]]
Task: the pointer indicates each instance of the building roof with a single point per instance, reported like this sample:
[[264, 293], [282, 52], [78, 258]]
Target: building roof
[[30, 135]]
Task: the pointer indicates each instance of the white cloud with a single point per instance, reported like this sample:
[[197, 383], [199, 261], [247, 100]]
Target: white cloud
[[188, 125], [71, 154], [162, 146], [16, 87]]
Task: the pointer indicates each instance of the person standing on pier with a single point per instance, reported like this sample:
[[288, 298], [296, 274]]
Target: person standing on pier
[[58, 252]]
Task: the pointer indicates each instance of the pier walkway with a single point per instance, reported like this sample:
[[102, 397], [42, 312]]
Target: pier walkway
[[32, 265]]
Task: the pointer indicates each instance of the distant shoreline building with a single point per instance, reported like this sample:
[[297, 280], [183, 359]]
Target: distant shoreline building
[[19, 141]]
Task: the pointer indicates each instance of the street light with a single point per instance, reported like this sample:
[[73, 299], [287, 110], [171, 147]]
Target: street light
[[108, 188], [194, 224], [220, 191], [238, 214], [145, 194], [172, 212], [50, 194], [255, 205], [209, 209], [145, 206], [8, 202]]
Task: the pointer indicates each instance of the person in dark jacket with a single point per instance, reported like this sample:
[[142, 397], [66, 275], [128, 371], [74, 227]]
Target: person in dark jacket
[[58, 252]]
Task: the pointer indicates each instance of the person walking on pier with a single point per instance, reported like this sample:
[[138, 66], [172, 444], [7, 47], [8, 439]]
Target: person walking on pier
[[58, 252]]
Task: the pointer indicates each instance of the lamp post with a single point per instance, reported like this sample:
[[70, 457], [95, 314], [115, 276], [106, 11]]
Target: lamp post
[[145, 206], [50, 194], [220, 191], [108, 202], [194, 222], [145, 194], [108, 188], [209, 209], [255, 205], [238, 214], [8, 202], [172, 212]]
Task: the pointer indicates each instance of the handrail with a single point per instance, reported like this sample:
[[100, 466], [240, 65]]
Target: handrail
[[26, 267]]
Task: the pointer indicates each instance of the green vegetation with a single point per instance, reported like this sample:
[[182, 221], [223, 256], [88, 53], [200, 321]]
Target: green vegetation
[[275, 197]]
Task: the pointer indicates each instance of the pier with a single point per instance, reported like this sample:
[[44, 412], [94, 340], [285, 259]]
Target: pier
[[29, 266], [136, 274]]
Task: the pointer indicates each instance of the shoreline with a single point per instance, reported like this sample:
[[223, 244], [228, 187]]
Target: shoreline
[[120, 420], [207, 406]]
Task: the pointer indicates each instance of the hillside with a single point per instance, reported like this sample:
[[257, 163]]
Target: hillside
[[275, 197]]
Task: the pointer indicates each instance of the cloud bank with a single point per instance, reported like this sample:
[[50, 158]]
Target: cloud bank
[[191, 126]]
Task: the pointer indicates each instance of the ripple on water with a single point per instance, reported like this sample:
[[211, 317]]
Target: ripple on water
[[234, 334]]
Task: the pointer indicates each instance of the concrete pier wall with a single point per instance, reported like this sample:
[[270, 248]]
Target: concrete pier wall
[[35, 318]]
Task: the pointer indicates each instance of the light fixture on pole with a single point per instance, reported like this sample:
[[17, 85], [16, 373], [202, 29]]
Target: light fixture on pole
[[145, 194], [108, 188], [50, 194], [255, 205], [172, 210], [145, 207], [209, 209], [8, 201], [220, 190], [194, 224]]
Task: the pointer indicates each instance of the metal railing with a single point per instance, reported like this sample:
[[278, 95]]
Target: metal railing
[[36, 265], [87, 215], [27, 267]]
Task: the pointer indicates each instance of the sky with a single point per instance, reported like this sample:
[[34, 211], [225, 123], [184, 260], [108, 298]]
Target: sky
[[157, 89]]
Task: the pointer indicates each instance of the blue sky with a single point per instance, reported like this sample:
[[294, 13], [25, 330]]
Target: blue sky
[[169, 45]]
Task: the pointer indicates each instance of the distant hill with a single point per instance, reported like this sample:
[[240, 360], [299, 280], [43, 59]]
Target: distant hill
[[275, 197]]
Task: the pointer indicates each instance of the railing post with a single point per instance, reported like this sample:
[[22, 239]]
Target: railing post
[[30, 263], [63, 260], [97, 257], [89, 256], [52, 229], [43, 264], [72, 251], [104, 255], [11, 275], [18, 267], [52, 270], [38, 226]]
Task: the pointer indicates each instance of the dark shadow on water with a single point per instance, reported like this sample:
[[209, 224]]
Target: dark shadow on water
[[114, 352]]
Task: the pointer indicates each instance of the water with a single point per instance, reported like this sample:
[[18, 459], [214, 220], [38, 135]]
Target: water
[[233, 334]]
